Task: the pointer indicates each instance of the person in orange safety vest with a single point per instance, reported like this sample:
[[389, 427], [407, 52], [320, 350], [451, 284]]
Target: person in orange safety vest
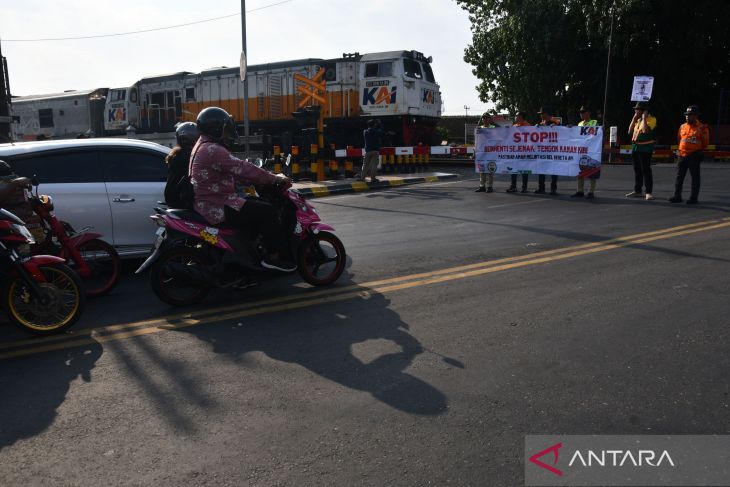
[[694, 137]]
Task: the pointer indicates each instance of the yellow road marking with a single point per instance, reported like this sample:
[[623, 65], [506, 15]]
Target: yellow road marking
[[184, 320]]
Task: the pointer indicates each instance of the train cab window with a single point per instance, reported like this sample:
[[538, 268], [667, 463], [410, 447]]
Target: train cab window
[[45, 117], [170, 99], [376, 70], [133, 95], [118, 95], [189, 94], [429, 73], [60, 167], [133, 166], [158, 99], [412, 69]]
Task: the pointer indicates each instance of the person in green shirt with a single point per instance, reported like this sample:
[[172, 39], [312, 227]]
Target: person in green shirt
[[586, 121], [486, 122], [642, 131]]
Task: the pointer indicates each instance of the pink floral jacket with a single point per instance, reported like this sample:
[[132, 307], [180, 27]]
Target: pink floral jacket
[[215, 173]]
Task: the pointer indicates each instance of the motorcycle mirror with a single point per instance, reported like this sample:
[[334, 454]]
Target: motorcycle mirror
[[288, 160], [259, 162], [34, 180]]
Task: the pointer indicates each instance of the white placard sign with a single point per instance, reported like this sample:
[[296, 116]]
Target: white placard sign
[[642, 88]]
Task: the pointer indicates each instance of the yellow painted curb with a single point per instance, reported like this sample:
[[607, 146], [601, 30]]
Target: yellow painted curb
[[320, 190]]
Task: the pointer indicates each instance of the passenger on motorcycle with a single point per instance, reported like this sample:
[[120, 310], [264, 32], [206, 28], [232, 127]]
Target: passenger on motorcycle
[[11, 186], [178, 162], [215, 174]]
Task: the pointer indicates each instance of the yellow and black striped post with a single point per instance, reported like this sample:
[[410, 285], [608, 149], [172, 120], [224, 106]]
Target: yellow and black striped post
[[295, 163]]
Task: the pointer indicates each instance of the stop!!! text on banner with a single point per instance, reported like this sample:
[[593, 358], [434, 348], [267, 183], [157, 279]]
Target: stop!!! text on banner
[[563, 151]]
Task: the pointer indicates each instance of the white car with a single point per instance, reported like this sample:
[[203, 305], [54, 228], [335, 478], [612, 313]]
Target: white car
[[112, 185]]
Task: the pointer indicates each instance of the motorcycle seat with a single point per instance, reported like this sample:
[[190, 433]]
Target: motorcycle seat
[[195, 217]]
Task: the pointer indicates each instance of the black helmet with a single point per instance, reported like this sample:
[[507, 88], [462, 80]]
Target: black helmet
[[218, 124], [186, 134]]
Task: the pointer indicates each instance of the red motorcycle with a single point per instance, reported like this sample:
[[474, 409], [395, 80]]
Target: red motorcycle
[[93, 259], [40, 293]]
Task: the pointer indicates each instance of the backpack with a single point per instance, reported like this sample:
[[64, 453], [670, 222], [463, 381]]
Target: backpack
[[185, 192], [184, 187]]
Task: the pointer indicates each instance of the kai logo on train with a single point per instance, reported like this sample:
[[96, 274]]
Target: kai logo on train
[[117, 114], [382, 95], [428, 97]]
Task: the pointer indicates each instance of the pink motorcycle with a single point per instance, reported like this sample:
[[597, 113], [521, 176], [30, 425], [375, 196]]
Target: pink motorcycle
[[191, 257]]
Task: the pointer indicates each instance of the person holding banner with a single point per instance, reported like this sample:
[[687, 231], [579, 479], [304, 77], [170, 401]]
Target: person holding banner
[[486, 122], [641, 130], [520, 121], [547, 120], [586, 121], [694, 137]]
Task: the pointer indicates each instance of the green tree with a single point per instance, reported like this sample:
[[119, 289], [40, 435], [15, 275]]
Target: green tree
[[552, 52]]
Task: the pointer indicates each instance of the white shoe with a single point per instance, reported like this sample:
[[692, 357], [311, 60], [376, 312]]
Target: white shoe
[[633, 194], [649, 197]]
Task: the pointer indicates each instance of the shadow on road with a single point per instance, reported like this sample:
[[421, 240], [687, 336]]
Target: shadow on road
[[322, 339], [33, 388]]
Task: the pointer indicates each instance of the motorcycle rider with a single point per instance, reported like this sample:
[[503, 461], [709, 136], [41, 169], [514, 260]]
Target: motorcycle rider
[[178, 161], [215, 172]]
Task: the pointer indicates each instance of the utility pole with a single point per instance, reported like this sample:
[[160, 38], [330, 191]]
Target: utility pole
[[605, 93], [608, 68], [4, 100], [245, 81], [466, 110]]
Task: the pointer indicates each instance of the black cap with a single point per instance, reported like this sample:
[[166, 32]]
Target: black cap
[[546, 109], [692, 110], [584, 108], [640, 105]]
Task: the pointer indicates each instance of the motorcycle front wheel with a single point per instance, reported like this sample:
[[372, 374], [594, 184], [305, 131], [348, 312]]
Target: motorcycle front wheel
[[177, 276], [321, 259], [104, 266], [59, 306]]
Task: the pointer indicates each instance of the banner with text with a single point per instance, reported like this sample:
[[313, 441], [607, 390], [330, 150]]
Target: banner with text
[[563, 151]]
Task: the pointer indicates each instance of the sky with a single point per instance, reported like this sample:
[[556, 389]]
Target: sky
[[277, 30]]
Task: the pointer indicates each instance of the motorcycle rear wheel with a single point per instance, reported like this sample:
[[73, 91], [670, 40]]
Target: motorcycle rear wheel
[[179, 291], [321, 259], [64, 301], [104, 264]]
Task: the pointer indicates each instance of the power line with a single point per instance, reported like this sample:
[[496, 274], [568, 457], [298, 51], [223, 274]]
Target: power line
[[213, 19]]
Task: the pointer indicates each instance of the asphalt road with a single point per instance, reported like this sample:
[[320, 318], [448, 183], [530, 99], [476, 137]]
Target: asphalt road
[[464, 322]]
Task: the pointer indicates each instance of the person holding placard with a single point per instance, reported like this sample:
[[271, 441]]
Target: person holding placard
[[642, 129], [486, 122]]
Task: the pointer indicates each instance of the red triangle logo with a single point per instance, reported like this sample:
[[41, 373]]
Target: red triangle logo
[[554, 449]]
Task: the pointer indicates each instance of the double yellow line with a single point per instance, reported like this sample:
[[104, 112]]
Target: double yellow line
[[331, 295]]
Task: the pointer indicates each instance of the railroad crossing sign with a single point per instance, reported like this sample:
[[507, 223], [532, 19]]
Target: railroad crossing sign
[[313, 89]]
